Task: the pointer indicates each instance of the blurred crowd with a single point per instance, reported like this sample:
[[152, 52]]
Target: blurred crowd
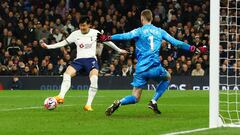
[[24, 22]]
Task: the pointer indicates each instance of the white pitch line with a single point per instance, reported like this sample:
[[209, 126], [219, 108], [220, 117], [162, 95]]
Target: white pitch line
[[27, 108], [188, 131], [49, 96]]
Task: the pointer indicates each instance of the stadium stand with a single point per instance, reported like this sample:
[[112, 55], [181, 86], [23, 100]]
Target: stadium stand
[[24, 23]]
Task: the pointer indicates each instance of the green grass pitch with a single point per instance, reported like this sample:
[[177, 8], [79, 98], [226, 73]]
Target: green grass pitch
[[22, 113]]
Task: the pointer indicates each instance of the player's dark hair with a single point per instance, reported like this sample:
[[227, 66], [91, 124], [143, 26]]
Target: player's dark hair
[[84, 19], [147, 14]]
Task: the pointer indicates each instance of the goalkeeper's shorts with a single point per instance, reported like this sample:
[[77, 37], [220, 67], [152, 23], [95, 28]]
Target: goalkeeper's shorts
[[156, 73]]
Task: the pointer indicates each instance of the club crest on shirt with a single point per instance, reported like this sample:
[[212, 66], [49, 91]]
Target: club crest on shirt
[[81, 45]]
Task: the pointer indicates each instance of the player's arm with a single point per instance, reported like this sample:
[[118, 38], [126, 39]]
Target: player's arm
[[109, 43], [53, 46], [182, 45], [70, 39], [114, 47], [124, 36]]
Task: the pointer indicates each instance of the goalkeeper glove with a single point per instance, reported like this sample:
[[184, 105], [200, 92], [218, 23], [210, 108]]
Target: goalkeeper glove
[[198, 50], [103, 37]]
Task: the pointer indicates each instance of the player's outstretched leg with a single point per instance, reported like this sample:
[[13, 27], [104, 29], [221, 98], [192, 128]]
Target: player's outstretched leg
[[130, 99], [159, 91], [117, 103], [91, 92], [66, 84]]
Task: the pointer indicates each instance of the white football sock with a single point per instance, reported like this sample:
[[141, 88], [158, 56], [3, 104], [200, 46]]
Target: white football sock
[[92, 89], [66, 83]]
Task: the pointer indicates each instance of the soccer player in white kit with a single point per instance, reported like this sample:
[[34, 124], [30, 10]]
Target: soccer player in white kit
[[86, 41]]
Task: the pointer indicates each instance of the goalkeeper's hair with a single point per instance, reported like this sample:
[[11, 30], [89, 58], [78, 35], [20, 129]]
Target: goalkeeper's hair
[[84, 19], [147, 15]]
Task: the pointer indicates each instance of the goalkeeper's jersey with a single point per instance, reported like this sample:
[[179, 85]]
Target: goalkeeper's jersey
[[148, 40]]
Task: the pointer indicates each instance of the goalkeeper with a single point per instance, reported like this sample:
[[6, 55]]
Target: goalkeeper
[[148, 40]]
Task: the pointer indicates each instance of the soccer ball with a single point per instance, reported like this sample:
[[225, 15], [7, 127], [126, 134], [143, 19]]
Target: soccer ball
[[50, 103]]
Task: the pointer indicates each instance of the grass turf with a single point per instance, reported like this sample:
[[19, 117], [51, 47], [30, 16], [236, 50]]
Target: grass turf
[[22, 112]]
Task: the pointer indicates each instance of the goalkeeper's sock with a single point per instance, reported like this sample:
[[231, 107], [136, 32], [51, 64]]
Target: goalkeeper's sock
[[128, 100], [92, 89], [66, 83], [160, 90]]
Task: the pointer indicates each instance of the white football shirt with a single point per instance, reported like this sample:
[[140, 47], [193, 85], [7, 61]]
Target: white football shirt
[[85, 43]]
